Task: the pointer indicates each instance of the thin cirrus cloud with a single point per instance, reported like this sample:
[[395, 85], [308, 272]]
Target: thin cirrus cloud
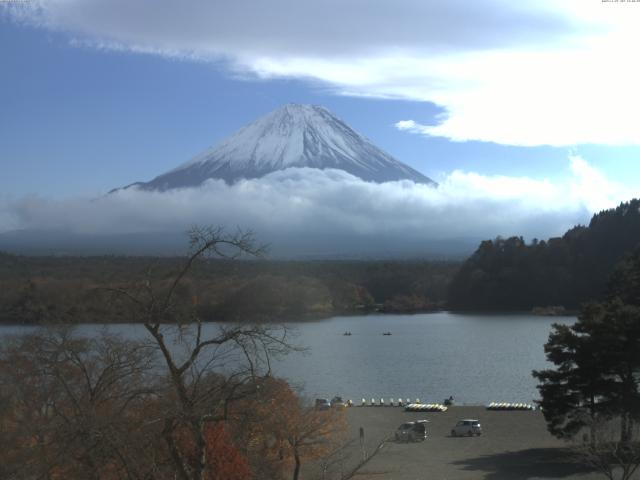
[[325, 206], [289, 28], [517, 73]]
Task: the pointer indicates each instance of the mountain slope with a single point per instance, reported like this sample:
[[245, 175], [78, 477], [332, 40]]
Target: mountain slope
[[292, 136]]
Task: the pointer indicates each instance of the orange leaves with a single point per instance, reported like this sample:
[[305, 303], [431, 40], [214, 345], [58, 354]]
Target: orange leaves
[[224, 459], [286, 431]]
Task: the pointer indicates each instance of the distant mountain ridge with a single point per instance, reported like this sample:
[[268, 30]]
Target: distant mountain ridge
[[291, 136]]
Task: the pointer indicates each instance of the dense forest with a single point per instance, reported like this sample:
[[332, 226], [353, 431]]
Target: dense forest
[[76, 289], [509, 274]]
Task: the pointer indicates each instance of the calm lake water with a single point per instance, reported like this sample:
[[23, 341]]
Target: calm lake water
[[475, 358]]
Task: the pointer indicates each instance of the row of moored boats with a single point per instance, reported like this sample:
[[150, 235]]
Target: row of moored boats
[[426, 407], [510, 406], [408, 405], [418, 406]]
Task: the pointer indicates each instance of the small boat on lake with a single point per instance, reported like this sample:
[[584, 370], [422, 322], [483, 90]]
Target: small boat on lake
[[347, 334], [386, 333]]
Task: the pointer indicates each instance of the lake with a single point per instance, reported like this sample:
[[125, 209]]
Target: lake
[[476, 358]]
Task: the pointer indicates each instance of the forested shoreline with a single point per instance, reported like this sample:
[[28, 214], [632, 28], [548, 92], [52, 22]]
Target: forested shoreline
[[76, 289], [567, 271]]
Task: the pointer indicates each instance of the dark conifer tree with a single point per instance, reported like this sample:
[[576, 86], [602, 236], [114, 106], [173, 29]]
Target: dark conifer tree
[[597, 360]]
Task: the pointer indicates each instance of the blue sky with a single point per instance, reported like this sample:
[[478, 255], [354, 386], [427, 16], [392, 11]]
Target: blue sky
[[494, 97]]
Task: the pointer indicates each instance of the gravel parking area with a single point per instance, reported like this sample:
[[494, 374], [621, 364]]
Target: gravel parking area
[[514, 445]]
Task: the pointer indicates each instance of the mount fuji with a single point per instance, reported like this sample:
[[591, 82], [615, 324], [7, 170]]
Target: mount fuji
[[292, 136]]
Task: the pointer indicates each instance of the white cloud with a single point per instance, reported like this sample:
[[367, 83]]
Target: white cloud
[[412, 126], [522, 73], [335, 212]]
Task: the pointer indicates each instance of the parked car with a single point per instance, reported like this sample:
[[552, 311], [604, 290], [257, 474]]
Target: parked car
[[337, 402], [467, 427], [322, 404], [412, 431]]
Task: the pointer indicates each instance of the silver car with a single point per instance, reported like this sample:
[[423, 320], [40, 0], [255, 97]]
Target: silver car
[[467, 427]]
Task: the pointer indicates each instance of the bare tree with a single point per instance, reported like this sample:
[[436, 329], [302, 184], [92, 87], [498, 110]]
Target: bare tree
[[159, 408], [607, 453], [73, 407], [209, 367], [333, 464]]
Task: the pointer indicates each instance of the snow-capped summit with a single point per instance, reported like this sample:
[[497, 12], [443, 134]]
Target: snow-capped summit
[[291, 136]]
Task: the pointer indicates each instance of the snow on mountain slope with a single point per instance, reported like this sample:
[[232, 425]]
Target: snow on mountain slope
[[291, 136]]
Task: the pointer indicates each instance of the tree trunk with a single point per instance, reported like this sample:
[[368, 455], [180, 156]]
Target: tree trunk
[[178, 461], [201, 448], [296, 470], [624, 429], [592, 427]]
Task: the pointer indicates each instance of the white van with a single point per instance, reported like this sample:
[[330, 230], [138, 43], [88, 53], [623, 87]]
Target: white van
[[467, 427]]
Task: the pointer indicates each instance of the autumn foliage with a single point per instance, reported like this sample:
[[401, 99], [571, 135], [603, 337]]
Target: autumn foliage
[[283, 433], [224, 460], [73, 408]]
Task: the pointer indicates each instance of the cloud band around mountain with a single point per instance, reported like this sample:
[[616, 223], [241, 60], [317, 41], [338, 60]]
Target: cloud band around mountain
[[330, 211]]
